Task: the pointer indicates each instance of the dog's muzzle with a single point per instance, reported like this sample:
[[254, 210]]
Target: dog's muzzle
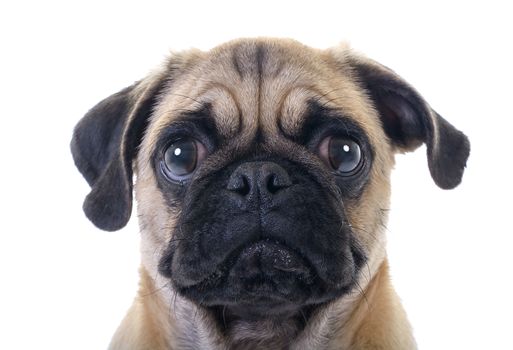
[[267, 243]]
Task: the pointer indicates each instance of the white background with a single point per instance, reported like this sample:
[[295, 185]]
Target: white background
[[66, 285]]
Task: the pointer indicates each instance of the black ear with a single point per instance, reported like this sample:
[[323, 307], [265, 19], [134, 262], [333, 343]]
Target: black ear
[[409, 121], [104, 145]]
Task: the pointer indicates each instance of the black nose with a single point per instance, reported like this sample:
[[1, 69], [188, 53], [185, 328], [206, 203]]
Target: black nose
[[258, 178]]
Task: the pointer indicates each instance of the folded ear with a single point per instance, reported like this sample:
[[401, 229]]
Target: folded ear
[[409, 121], [104, 145]]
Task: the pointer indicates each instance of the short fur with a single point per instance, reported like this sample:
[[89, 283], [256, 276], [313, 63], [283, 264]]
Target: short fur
[[261, 104]]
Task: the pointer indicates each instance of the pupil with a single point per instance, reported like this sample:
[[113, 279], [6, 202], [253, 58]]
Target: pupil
[[344, 154], [180, 157]]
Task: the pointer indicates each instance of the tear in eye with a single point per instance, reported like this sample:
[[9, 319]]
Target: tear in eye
[[182, 157], [342, 154]]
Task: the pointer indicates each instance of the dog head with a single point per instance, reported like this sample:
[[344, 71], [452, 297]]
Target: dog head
[[262, 170]]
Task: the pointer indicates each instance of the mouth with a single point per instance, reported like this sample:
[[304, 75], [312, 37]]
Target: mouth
[[265, 276], [268, 269], [265, 261]]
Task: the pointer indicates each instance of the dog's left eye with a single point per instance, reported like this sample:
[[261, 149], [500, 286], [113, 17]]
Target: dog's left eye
[[182, 157], [342, 154]]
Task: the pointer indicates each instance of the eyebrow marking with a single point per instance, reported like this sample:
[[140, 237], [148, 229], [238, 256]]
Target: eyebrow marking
[[200, 114], [193, 121], [233, 97], [307, 90], [316, 116]]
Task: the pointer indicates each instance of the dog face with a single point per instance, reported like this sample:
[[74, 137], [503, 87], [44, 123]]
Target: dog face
[[262, 169]]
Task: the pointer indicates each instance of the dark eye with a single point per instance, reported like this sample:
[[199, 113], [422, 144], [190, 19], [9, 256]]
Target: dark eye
[[182, 157], [342, 154]]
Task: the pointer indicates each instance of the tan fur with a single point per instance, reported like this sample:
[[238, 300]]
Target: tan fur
[[379, 321], [146, 325], [370, 317]]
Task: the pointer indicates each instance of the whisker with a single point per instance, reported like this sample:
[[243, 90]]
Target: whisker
[[197, 308], [185, 96], [361, 292], [371, 234], [184, 110], [172, 306], [369, 277], [175, 296], [326, 94], [156, 290], [304, 317], [224, 318], [325, 104]]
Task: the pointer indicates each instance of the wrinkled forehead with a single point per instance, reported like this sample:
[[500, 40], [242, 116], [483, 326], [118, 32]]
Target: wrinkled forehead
[[260, 87]]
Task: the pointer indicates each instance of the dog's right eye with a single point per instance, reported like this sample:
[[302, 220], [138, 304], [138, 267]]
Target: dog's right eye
[[342, 154], [182, 157]]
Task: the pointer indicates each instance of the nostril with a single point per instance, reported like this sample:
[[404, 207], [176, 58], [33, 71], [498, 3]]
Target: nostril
[[245, 188], [262, 178], [273, 184], [240, 185], [277, 180]]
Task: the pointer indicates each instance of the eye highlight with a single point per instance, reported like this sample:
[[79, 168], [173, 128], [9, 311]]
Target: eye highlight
[[342, 154], [181, 158]]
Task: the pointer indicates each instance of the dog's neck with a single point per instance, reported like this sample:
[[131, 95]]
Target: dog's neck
[[262, 334], [334, 325]]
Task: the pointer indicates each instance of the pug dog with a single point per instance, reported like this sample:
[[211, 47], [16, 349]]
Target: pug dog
[[262, 181]]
